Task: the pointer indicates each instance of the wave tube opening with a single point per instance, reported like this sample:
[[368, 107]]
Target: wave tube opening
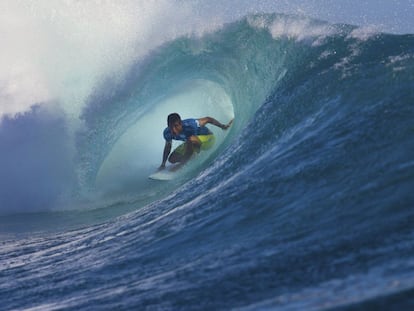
[[138, 152]]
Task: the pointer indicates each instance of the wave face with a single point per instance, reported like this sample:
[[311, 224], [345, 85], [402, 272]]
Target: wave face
[[305, 203]]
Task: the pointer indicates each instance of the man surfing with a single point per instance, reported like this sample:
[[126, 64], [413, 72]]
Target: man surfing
[[193, 132]]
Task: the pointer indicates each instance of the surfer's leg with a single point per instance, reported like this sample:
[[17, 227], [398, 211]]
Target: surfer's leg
[[178, 154], [175, 158], [207, 141], [193, 144], [184, 152]]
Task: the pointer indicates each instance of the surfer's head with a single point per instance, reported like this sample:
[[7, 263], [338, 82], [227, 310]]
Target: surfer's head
[[174, 123]]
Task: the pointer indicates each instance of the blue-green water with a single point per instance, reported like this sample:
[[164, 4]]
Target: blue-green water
[[305, 204]]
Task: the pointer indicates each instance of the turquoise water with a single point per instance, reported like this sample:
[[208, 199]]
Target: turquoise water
[[305, 203]]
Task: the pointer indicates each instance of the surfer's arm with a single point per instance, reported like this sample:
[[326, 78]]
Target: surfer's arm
[[210, 120], [166, 153]]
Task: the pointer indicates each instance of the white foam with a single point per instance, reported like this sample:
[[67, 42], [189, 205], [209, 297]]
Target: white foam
[[364, 33], [296, 28], [58, 52]]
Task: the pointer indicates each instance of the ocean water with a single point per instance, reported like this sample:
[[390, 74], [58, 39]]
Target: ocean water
[[305, 203]]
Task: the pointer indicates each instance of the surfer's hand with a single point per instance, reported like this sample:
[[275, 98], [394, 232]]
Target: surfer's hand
[[225, 127]]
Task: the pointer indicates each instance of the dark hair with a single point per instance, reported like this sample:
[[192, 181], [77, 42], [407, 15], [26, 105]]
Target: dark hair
[[172, 118]]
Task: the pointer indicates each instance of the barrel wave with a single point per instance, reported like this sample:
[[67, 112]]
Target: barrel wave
[[305, 203]]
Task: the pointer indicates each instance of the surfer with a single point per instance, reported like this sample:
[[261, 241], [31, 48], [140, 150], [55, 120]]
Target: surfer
[[193, 132]]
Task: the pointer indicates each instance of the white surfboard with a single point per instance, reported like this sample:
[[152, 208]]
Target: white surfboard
[[162, 175]]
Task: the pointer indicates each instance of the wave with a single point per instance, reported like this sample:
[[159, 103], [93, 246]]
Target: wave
[[305, 202], [228, 72]]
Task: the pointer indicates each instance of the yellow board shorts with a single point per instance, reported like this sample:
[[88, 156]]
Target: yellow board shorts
[[207, 141]]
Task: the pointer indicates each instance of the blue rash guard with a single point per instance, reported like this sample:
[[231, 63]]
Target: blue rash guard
[[190, 127]]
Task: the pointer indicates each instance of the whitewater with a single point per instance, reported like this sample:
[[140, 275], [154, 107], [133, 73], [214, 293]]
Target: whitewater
[[305, 203]]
